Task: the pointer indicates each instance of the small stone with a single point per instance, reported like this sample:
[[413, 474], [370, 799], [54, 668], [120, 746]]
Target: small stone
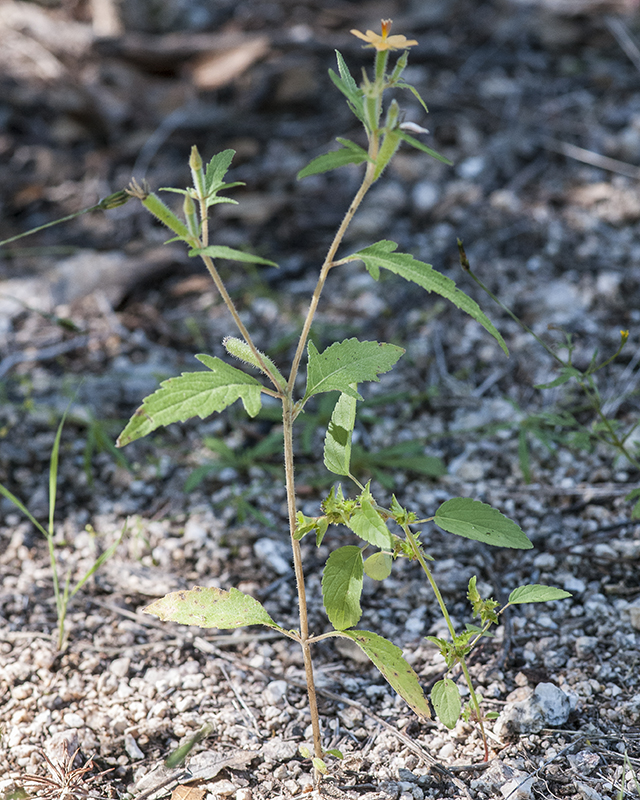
[[574, 585], [243, 794], [62, 745], [277, 749], [185, 703], [194, 531], [73, 720], [275, 693], [634, 616], [425, 196], [585, 645], [222, 788], [274, 553], [120, 667], [131, 746], [554, 703], [518, 788], [447, 751], [545, 561], [587, 792]]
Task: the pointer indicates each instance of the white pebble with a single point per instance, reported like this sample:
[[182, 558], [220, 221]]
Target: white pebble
[[274, 553], [120, 667], [275, 693], [131, 746], [73, 720]]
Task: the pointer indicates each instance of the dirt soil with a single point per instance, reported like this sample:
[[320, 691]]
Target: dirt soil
[[537, 106]]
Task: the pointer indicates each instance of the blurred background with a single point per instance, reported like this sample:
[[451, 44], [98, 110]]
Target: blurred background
[[535, 103]]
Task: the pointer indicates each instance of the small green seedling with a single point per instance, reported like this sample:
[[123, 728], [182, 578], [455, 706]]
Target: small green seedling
[[62, 594]]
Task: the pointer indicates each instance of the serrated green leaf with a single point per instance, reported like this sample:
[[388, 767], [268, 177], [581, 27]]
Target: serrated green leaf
[[378, 566], [395, 669], [382, 255], [366, 523], [220, 251], [475, 520], [342, 586], [337, 441], [217, 168], [211, 608], [446, 701], [353, 154], [419, 146], [536, 593], [348, 362], [349, 88], [193, 394]]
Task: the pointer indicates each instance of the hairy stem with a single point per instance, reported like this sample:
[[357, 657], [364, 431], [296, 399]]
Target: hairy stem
[[287, 424], [476, 705], [328, 261], [288, 416], [236, 318], [425, 567]]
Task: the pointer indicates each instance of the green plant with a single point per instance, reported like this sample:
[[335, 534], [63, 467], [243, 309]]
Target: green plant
[[65, 593], [569, 425], [334, 373], [340, 368]]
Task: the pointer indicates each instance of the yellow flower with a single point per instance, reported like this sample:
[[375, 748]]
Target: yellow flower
[[385, 42]]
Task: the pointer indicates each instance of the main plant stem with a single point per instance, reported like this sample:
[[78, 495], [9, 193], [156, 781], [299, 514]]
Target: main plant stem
[[287, 424], [288, 416], [328, 261]]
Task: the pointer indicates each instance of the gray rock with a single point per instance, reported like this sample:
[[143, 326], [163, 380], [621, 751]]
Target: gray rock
[[554, 703], [585, 645], [275, 693], [547, 705], [131, 746], [277, 749], [274, 553], [120, 667]]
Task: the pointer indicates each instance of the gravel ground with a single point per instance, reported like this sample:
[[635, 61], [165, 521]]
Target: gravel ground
[[511, 89]]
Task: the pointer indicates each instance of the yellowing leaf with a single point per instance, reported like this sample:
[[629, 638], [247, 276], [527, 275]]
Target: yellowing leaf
[[211, 608], [389, 660]]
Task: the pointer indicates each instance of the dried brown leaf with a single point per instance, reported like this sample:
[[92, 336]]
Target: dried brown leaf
[[187, 793]]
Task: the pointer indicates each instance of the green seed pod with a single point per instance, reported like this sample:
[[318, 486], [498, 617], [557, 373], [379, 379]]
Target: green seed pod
[[392, 116], [197, 172], [189, 210], [241, 350], [390, 144]]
